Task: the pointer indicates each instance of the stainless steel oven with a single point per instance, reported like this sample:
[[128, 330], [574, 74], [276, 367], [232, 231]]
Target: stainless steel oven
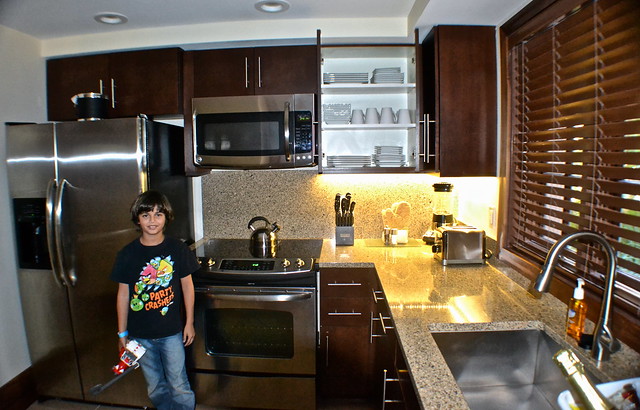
[[256, 131], [256, 325]]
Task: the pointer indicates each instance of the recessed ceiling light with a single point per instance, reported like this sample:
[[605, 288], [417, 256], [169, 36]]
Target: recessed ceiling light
[[110, 18], [272, 6]]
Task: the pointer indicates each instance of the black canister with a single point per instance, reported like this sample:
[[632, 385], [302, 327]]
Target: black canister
[[91, 106]]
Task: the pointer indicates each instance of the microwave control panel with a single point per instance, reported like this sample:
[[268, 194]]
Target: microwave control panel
[[303, 140]]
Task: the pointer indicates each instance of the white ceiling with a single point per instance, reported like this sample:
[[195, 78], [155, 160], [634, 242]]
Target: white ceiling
[[46, 19]]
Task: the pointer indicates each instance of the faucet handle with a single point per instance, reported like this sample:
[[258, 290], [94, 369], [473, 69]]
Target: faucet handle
[[605, 344]]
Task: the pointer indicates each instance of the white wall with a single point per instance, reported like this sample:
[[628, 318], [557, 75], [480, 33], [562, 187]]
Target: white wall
[[22, 98]]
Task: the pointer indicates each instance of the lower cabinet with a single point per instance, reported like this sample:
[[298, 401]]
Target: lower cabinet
[[359, 358]]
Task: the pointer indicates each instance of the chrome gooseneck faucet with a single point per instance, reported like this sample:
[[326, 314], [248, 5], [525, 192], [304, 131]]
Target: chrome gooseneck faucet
[[603, 341]]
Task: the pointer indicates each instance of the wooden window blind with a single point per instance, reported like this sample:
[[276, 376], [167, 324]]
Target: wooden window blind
[[575, 140]]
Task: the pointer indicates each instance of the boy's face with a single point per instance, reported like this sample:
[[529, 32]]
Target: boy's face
[[152, 223]]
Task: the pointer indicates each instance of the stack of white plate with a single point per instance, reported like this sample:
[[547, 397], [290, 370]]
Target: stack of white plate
[[358, 78], [388, 156], [391, 75], [336, 113], [349, 160]]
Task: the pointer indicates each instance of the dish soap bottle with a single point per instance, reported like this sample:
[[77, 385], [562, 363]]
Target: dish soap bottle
[[577, 312]]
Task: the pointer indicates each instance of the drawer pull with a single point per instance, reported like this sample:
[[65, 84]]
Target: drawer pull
[[376, 296], [352, 313], [344, 284]]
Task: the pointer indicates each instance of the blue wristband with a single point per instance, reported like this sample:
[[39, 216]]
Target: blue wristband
[[123, 334]]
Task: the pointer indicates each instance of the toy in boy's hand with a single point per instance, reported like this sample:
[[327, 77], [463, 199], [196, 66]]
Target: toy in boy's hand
[[129, 356]]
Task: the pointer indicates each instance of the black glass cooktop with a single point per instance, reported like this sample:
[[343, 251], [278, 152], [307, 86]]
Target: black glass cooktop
[[240, 248]]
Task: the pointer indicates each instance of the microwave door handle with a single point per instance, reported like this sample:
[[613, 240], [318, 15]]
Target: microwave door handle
[[287, 148], [52, 188]]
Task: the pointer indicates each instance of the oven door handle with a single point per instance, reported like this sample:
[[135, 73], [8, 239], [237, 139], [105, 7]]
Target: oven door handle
[[256, 296]]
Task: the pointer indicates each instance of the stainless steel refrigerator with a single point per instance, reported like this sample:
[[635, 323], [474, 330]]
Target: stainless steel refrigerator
[[72, 184]]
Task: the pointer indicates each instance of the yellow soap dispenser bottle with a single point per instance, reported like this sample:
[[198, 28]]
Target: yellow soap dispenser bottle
[[577, 312]]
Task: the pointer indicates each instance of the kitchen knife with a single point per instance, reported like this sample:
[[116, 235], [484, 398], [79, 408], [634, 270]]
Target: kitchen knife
[[345, 209], [353, 205], [337, 207]]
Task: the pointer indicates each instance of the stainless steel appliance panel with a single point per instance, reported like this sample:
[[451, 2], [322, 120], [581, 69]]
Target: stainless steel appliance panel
[[251, 391], [45, 307], [298, 303], [101, 169]]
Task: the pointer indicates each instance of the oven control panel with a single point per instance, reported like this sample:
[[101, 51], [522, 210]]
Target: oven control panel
[[276, 266]]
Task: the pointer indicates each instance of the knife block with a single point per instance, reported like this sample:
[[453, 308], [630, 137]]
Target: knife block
[[344, 235]]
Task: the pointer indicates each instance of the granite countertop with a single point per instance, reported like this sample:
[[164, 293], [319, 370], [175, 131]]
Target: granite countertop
[[426, 297]]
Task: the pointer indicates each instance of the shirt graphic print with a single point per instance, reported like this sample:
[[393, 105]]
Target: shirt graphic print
[[152, 291]]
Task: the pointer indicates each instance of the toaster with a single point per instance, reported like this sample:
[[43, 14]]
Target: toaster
[[460, 245]]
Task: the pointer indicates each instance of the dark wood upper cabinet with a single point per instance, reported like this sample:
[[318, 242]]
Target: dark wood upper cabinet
[[143, 82], [460, 97], [250, 71], [67, 77], [286, 70]]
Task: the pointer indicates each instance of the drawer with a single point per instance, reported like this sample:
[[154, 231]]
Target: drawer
[[345, 311], [347, 282]]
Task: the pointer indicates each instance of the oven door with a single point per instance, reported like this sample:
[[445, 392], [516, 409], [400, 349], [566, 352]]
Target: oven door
[[255, 330], [274, 131]]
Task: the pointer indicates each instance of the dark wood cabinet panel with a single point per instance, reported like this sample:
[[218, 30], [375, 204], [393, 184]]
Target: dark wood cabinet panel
[[286, 70], [144, 82], [461, 97], [224, 72], [250, 71], [67, 77]]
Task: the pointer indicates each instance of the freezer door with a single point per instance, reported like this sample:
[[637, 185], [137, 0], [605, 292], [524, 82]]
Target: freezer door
[[45, 306], [101, 168]]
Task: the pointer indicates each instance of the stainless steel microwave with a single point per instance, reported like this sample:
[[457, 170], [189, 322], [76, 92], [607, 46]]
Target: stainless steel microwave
[[256, 131]]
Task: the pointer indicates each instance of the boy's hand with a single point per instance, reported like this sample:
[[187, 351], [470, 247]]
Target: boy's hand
[[189, 334]]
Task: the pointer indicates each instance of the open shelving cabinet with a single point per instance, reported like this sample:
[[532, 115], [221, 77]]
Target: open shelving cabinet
[[347, 139]]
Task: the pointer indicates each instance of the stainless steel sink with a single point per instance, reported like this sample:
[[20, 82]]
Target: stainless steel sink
[[504, 369]]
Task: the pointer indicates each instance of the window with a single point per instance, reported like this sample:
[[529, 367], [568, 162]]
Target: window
[[575, 139]]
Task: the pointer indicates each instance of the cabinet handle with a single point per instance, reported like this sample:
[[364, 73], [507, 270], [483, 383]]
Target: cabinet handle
[[101, 86], [384, 389], [381, 319], [375, 295], [426, 136], [113, 93], [246, 72], [326, 356], [352, 313], [259, 73], [344, 284]]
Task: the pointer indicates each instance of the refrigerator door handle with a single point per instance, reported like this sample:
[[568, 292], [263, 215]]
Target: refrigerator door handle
[[52, 189], [69, 279]]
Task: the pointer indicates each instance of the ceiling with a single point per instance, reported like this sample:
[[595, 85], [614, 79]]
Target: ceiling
[[49, 19]]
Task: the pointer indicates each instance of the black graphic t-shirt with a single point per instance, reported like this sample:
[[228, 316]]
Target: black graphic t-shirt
[[153, 274]]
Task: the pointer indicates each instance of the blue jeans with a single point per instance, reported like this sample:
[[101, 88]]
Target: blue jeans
[[164, 369]]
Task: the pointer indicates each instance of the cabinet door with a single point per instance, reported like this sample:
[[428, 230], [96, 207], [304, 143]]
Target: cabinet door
[[461, 96], [286, 70], [67, 77], [223, 72], [147, 82], [344, 365]]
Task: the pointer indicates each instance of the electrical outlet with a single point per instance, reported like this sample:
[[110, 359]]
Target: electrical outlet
[[492, 217]]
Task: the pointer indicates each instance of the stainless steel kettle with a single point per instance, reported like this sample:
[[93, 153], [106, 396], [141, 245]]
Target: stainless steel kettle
[[264, 241]]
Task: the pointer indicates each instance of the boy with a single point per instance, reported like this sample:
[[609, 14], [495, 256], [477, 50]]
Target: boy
[[154, 276]]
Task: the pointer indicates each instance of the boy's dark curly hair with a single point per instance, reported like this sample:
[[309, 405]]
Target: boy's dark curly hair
[[147, 201]]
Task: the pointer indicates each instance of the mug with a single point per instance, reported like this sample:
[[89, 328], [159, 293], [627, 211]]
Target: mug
[[404, 116], [387, 116], [357, 117], [372, 116]]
